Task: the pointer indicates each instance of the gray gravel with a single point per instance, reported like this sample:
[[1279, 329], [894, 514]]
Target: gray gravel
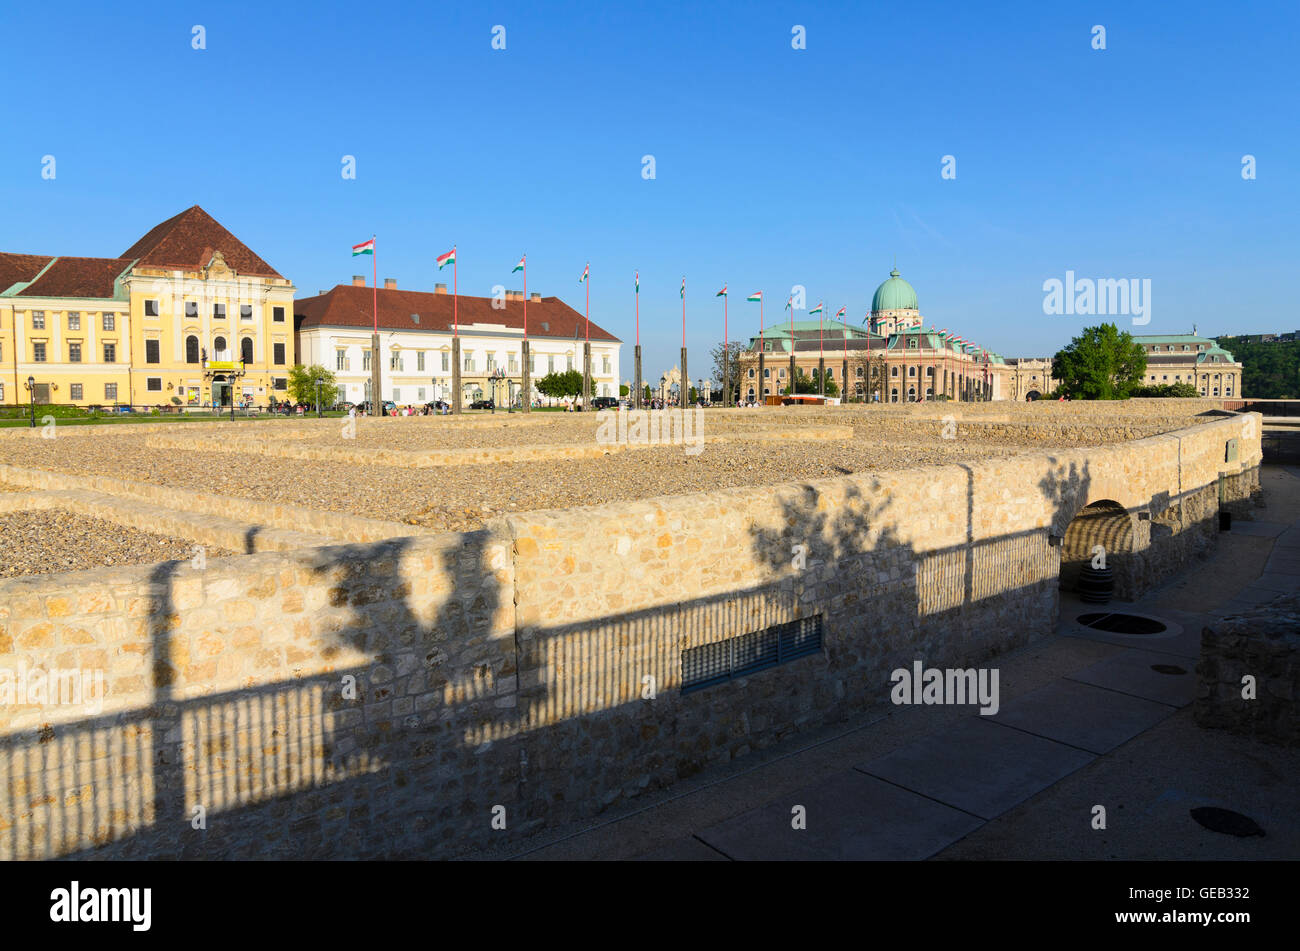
[[51, 540]]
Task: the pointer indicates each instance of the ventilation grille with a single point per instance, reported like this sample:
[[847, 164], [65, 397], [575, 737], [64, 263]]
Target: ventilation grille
[[740, 656]]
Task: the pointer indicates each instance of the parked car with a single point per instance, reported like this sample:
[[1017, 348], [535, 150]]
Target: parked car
[[604, 402], [482, 404]]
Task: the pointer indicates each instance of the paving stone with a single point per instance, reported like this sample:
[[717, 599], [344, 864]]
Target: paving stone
[[1131, 672], [852, 816], [688, 849], [1082, 715], [979, 766]]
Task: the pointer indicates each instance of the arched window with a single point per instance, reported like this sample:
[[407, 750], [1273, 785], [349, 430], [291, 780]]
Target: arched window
[[859, 374], [929, 371], [911, 371], [895, 371], [191, 349], [219, 345], [246, 349]]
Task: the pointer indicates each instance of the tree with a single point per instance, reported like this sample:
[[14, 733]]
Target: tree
[[1270, 369], [302, 385], [731, 351], [1102, 363], [624, 389], [648, 395], [803, 383], [562, 384], [1185, 390]]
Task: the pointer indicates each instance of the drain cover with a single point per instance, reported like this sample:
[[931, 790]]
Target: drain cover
[[1226, 821], [1121, 623], [1168, 669]]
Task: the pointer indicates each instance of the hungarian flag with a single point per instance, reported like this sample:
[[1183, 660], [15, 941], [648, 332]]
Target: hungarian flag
[[445, 259], [365, 247], [519, 266], [841, 312], [723, 292], [636, 282], [756, 296], [585, 271], [683, 288], [789, 303], [817, 309]]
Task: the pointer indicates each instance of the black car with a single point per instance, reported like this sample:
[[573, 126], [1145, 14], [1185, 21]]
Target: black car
[[604, 402], [482, 404]]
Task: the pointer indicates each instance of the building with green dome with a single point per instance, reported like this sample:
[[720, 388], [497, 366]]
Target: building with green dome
[[894, 306], [1189, 358]]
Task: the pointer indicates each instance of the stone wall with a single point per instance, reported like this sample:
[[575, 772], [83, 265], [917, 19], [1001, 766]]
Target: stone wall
[[1265, 645], [531, 670]]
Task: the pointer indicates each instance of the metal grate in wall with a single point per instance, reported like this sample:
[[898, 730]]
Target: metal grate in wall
[[744, 654]]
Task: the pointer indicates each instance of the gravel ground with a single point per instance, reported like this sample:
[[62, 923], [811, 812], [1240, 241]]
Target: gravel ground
[[463, 497], [49, 541]]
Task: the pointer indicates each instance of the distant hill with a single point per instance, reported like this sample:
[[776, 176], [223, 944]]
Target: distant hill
[[1270, 370]]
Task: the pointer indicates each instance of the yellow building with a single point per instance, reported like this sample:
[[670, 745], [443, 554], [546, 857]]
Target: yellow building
[[187, 316]]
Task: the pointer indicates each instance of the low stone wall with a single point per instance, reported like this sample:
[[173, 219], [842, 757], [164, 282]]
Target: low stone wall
[[1265, 646], [404, 697]]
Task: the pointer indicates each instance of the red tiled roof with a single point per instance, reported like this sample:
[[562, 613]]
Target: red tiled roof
[[188, 240], [78, 277], [350, 306], [17, 268]]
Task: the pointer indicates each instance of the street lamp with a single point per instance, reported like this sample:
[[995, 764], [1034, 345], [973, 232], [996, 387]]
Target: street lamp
[[31, 388], [316, 380]]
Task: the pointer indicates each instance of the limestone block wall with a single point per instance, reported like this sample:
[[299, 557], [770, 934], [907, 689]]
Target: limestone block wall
[[390, 698]]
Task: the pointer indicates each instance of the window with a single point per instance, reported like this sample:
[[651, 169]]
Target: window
[[397, 393], [153, 384], [74, 353], [38, 320], [604, 366], [469, 362], [395, 361], [245, 311], [191, 308], [278, 383], [550, 363], [365, 359], [859, 373], [512, 363], [491, 362], [191, 349], [419, 362], [751, 373], [277, 314], [246, 349], [219, 311], [110, 353], [340, 359], [767, 373], [38, 352], [746, 654], [278, 352], [421, 396], [151, 352], [74, 320], [151, 308], [569, 361], [110, 391], [219, 346], [446, 359], [894, 371], [110, 322]]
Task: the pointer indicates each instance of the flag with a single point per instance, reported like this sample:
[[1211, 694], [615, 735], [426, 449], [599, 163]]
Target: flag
[[519, 266], [789, 304], [723, 292], [636, 282], [445, 259], [817, 309], [683, 288], [365, 247], [841, 312], [585, 271], [756, 296]]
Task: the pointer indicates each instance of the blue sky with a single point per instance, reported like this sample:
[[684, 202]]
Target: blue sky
[[774, 166]]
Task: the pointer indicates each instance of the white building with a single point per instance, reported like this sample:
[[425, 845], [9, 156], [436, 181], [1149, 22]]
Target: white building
[[416, 328]]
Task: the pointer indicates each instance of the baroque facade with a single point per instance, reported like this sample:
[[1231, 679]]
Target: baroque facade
[[187, 316]]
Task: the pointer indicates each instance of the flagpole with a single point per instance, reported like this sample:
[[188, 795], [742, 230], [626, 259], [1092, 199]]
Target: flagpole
[[455, 290], [377, 403], [525, 378], [725, 350]]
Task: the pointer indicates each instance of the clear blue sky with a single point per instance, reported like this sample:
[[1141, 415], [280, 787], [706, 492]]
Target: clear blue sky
[[774, 166]]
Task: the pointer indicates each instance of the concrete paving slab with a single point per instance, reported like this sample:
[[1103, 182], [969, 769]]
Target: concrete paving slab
[[1260, 529], [850, 817], [688, 849], [1091, 718], [1281, 582], [1131, 672], [979, 766]]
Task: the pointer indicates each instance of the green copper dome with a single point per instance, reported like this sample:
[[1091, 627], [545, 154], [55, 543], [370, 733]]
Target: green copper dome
[[894, 294]]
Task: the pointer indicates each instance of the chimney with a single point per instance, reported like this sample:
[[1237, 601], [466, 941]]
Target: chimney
[[390, 284], [535, 296], [518, 295], [358, 280], [440, 288]]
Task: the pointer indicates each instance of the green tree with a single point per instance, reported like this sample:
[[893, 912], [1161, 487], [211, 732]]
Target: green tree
[[731, 351], [648, 395], [302, 385], [1102, 363], [1269, 369], [1166, 389], [624, 389], [562, 384], [803, 383]]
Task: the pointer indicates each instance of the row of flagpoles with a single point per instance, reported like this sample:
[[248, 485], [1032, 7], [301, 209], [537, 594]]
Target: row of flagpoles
[[368, 247]]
